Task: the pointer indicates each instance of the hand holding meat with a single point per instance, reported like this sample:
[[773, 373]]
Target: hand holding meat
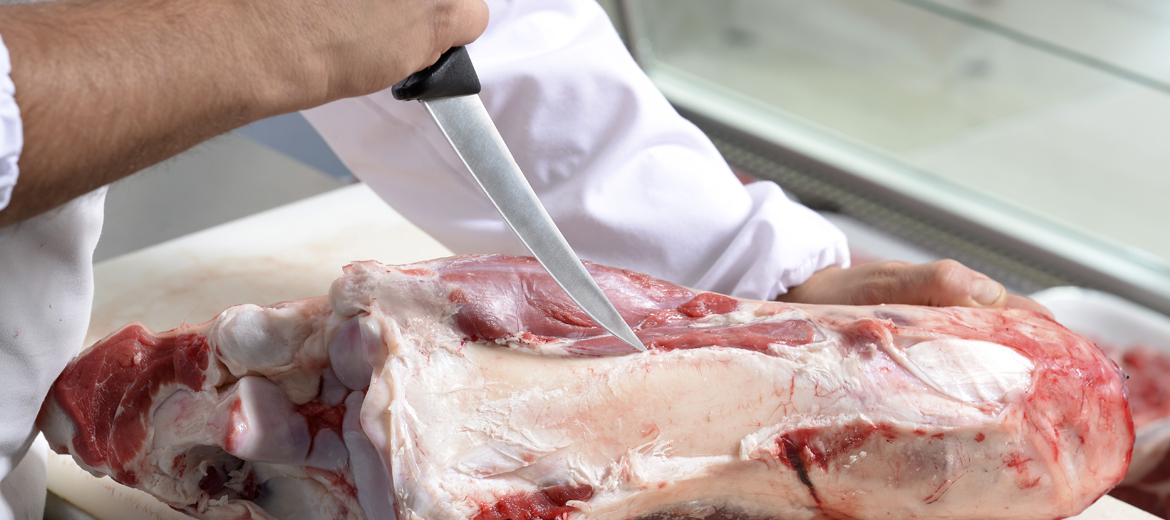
[[942, 283], [471, 387]]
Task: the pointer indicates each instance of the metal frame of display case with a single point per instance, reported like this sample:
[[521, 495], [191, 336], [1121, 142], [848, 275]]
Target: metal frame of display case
[[828, 172]]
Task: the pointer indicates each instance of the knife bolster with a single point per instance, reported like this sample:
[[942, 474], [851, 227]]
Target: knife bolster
[[453, 75]]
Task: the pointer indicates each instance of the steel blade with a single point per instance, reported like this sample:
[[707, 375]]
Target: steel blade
[[470, 130]]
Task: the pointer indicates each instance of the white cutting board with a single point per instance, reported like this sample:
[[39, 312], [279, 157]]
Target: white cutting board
[[287, 253], [290, 252]]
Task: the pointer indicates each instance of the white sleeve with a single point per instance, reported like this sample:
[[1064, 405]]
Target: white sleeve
[[46, 294], [629, 182], [11, 129]]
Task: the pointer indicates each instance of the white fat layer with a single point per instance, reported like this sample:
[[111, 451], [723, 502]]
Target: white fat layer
[[463, 424], [504, 420], [516, 450], [185, 414], [972, 371]]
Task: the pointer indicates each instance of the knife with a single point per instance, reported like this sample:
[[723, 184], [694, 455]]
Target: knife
[[449, 90]]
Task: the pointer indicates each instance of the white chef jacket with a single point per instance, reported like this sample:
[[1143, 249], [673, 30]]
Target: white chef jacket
[[628, 181]]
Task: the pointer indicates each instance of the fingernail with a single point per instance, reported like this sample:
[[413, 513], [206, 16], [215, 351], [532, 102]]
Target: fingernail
[[986, 292]]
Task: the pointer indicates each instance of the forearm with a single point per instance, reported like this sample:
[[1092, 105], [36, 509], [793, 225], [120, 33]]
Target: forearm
[[105, 91], [107, 87]]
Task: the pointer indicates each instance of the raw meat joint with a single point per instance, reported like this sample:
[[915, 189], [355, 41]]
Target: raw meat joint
[[470, 387]]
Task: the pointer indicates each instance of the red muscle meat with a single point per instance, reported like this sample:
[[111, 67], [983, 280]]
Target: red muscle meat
[[472, 388]]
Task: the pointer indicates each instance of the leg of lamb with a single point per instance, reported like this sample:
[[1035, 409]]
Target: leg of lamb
[[472, 388]]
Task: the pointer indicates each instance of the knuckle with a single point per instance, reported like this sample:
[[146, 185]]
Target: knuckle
[[947, 267], [950, 282], [888, 270], [947, 273]]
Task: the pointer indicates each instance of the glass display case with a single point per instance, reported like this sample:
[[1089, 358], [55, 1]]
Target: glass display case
[[1028, 139]]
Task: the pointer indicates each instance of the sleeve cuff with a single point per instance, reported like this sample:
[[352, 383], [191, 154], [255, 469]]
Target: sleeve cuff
[[780, 246], [11, 129]]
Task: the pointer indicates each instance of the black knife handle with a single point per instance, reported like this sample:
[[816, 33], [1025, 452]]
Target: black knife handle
[[453, 75]]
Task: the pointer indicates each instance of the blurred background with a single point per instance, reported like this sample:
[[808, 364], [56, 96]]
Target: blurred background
[[1026, 138]]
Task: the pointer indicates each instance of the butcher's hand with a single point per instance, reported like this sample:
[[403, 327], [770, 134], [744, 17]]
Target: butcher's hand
[[942, 283], [108, 87]]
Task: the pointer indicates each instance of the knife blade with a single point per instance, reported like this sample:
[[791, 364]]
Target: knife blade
[[449, 90]]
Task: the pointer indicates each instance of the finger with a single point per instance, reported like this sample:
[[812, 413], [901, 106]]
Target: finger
[[890, 282], [947, 283], [942, 283]]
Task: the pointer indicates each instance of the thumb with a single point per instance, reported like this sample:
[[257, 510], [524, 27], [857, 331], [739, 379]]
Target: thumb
[[947, 283]]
